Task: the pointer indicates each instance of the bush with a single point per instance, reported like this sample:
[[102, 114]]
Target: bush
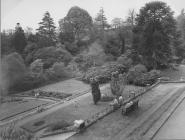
[[27, 82], [12, 133], [124, 60], [135, 72], [50, 55], [36, 67], [57, 71], [58, 125], [103, 72], [13, 70], [147, 78]]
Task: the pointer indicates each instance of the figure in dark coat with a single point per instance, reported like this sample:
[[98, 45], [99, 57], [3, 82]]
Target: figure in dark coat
[[96, 94]]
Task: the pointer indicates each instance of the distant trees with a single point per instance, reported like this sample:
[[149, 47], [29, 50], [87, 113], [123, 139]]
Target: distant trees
[[46, 32], [6, 45], [155, 27], [101, 20], [181, 23], [19, 39], [75, 25], [131, 18]]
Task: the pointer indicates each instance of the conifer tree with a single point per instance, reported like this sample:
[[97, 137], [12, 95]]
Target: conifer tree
[[46, 31]]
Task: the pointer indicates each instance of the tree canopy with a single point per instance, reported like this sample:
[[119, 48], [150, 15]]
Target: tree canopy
[[19, 39], [46, 31], [75, 24], [155, 27]]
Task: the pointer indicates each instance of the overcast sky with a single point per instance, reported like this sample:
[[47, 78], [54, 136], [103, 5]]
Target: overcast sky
[[30, 12]]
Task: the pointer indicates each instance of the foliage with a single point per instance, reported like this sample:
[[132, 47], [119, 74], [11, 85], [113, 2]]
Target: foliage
[[6, 46], [59, 95], [46, 31], [117, 84], [36, 67], [101, 20], [131, 18], [13, 69], [147, 78], [58, 125], [19, 39], [29, 51], [125, 60], [103, 73], [117, 23], [181, 23], [50, 55], [72, 48], [135, 72], [91, 57], [112, 45], [12, 133], [155, 26], [76, 24], [96, 94], [57, 71]]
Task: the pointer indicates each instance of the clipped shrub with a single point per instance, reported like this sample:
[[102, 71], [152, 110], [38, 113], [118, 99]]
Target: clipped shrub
[[103, 73]]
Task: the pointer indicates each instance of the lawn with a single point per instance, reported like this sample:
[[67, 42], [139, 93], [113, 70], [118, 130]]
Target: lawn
[[108, 127], [71, 86], [10, 109], [174, 74], [82, 108]]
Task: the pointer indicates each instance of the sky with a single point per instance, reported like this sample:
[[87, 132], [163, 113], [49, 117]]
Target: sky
[[30, 12]]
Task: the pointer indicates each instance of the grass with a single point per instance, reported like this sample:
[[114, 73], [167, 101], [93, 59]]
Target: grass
[[58, 125], [10, 109], [174, 74]]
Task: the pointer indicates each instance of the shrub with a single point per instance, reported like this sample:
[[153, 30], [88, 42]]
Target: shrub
[[13, 70], [103, 72], [135, 72], [112, 45], [58, 125], [57, 71], [147, 78], [124, 60], [50, 55], [27, 82], [36, 67], [12, 133]]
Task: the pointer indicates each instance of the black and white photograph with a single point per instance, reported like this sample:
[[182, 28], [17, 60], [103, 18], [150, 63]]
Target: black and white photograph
[[92, 70]]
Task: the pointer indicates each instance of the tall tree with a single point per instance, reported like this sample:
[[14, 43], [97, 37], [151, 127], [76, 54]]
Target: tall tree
[[117, 23], [181, 23], [6, 45], [76, 24], [46, 31], [19, 39], [155, 27], [101, 20], [131, 18]]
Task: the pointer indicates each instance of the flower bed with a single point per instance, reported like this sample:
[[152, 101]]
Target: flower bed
[[40, 93]]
